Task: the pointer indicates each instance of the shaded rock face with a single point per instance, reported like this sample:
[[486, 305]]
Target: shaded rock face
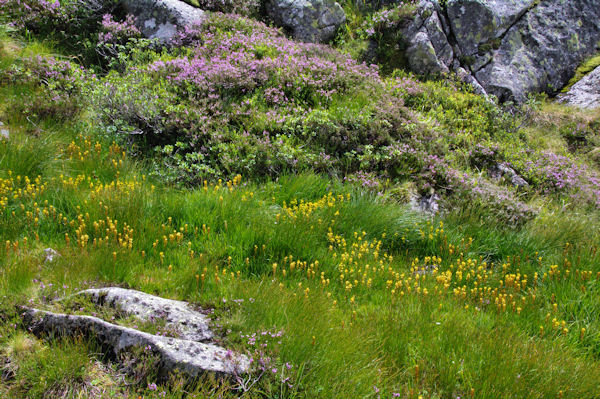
[[429, 51], [585, 93], [160, 19], [314, 21], [508, 48], [185, 354]]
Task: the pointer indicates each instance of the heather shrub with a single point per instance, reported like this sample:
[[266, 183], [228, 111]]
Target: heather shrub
[[119, 43], [466, 118], [476, 134], [581, 136], [72, 24], [57, 86], [553, 173], [383, 30], [487, 200], [234, 96], [247, 100]]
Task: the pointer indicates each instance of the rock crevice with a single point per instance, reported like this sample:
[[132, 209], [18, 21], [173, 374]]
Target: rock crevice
[[505, 48]]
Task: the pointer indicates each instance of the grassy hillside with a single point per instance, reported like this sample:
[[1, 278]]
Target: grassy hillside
[[280, 200]]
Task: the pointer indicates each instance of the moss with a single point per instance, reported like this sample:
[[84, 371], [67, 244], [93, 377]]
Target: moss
[[467, 60], [194, 3], [585, 68]]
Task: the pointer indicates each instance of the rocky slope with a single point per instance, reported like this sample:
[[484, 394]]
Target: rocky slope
[[505, 48]]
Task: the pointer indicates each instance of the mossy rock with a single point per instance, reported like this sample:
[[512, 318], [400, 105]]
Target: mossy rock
[[588, 66]]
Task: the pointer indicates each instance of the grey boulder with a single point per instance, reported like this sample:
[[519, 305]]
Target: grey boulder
[[585, 93], [161, 19], [541, 51], [502, 170], [314, 21], [476, 24], [508, 48], [428, 203]]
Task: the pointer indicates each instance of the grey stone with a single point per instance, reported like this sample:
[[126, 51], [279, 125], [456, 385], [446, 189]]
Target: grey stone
[[422, 56], [542, 50], [428, 51], [502, 170], [427, 269], [313, 21], [428, 203], [189, 357], [179, 316], [479, 22], [585, 93], [435, 31], [161, 19], [508, 48], [50, 255], [466, 77]]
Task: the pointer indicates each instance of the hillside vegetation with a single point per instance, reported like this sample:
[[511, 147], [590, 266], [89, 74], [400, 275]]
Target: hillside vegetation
[[274, 183]]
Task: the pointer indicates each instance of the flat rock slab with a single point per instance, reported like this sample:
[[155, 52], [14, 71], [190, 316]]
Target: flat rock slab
[[189, 323], [189, 357]]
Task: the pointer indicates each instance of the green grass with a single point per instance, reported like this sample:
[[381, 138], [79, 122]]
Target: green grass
[[332, 266], [436, 345]]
